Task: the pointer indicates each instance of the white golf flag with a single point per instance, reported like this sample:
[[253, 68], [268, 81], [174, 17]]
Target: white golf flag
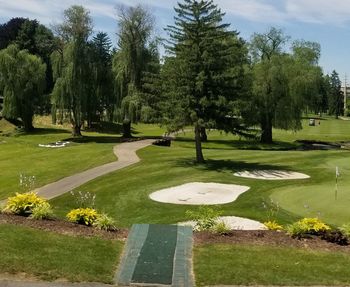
[[337, 174]]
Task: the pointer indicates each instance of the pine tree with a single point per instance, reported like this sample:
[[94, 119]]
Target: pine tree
[[202, 72], [335, 95]]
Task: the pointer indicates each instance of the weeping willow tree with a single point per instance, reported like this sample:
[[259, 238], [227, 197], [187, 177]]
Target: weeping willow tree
[[71, 67], [22, 82], [135, 26], [282, 82]]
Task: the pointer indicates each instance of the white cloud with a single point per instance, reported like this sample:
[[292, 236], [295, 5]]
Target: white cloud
[[335, 12], [253, 10], [319, 11]]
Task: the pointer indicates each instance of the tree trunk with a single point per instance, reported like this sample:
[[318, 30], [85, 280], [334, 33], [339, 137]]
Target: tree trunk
[[127, 128], [27, 121], [266, 130], [204, 136], [199, 153], [76, 130]]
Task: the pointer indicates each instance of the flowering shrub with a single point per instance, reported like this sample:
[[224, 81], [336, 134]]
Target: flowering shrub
[[24, 203], [307, 226], [85, 216], [273, 225]]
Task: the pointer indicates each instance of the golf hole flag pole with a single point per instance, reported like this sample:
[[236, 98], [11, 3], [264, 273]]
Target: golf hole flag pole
[[337, 174]]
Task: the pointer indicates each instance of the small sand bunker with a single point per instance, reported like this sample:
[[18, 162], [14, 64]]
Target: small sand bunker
[[235, 223], [271, 174], [58, 144], [199, 193]]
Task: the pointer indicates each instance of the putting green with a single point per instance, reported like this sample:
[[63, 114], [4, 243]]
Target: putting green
[[319, 200]]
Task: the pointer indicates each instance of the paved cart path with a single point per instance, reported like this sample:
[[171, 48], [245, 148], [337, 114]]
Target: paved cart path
[[126, 154]]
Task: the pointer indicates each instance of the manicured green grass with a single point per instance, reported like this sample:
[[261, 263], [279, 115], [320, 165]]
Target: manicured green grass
[[50, 256], [20, 154], [220, 264], [124, 194]]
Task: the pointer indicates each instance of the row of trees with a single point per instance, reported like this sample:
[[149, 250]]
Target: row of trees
[[209, 78]]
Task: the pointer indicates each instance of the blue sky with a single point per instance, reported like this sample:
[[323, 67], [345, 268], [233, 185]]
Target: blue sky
[[323, 21]]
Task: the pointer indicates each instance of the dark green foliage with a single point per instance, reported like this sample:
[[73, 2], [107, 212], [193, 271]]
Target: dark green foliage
[[22, 82], [72, 68], [136, 55], [9, 31], [283, 84], [335, 95], [203, 73], [101, 98]]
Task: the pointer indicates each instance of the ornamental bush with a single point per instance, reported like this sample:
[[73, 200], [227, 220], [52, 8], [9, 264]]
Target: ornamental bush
[[273, 225], [24, 203], [104, 222], [84, 216], [42, 211], [205, 218], [306, 227]]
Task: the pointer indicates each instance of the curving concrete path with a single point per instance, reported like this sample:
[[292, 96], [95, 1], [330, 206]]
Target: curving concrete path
[[126, 154]]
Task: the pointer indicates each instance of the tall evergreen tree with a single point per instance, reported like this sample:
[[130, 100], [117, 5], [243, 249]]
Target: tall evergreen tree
[[335, 96], [102, 99], [22, 82], [199, 81], [71, 66]]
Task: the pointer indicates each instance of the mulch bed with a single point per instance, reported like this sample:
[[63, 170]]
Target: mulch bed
[[267, 238], [63, 227]]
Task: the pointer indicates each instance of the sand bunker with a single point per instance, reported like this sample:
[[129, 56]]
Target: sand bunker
[[235, 223], [58, 144], [271, 174], [199, 193]]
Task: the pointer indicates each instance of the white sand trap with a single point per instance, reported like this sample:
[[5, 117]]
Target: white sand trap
[[271, 174], [234, 223], [199, 193]]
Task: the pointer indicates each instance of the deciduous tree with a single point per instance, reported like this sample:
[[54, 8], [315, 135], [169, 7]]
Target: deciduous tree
[[22, 82]]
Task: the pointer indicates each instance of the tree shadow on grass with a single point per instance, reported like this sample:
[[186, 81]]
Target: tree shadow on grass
[[45, 131], [94, 139], [228, 165], [106, 128], [244, 145]]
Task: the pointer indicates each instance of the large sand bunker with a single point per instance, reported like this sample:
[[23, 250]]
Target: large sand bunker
[[271, 174], [235, 223], [199, 193]]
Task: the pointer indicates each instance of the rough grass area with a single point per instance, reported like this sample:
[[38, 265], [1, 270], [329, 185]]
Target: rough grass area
[[50, 256], [221, 264]]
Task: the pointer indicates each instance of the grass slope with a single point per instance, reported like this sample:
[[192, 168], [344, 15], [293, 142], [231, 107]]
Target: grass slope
[[220, 264], [50, 256]]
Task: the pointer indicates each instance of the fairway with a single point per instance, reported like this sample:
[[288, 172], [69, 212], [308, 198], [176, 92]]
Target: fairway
[[125, 194]]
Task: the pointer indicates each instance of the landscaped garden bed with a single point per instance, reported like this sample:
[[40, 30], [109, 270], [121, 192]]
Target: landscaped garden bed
[[63, 227]]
